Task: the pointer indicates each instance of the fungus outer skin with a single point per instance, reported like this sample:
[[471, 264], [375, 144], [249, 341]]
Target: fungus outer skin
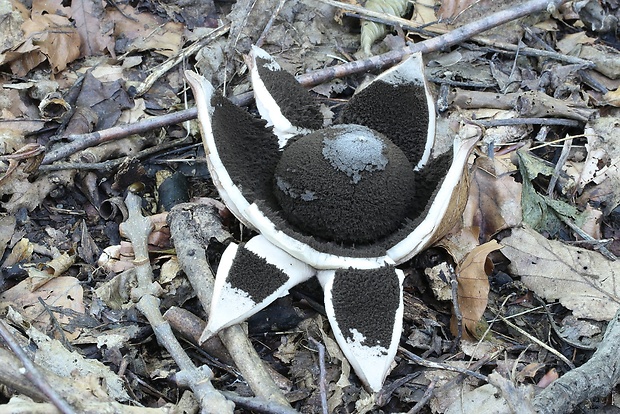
[[360, 183], [237, 296], [423, 233], [365, 301], [230, 194], [370, 355]]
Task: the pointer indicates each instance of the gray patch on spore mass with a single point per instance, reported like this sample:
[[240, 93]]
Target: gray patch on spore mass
[[354, 151], [344, 198]]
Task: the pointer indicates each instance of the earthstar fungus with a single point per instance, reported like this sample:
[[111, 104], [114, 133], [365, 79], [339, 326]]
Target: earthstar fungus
[[346, 203]]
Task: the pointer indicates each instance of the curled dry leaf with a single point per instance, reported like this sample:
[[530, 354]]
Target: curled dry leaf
[[582, 280], [473, 288], [63, 292], [494, 195], [372, 31]]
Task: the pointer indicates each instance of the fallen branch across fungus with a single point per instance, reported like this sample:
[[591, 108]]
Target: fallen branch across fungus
[[374, 63]]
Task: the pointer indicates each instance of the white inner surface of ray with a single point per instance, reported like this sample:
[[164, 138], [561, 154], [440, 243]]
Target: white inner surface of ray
[[419, 238], [229, 192], [231, 305], [228, 305], [267, 106], [371, 364], [302, 251], [295, 269]]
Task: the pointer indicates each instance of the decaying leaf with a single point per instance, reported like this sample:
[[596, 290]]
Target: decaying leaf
[[601, 165], [89, 373], [450, 9], [93, 26], [494, 195], [62, 293], [540, 211], [372, 31], [52, 35], [473, 288], [582, 280]]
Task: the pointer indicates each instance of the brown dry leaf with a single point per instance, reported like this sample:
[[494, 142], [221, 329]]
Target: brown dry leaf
[[451, 8], [63, 292], [51, 33], [10, 29], [7, 228], [21, 252], [461, 243], [582, 280], [142, 31], [494, 197], [473, 287], [93, 27], [612, 98], [574, 40]]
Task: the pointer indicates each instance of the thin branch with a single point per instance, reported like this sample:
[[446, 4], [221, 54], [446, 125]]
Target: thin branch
[[430, 45], [439, 365], [33, 374], [527, 121], [322, 376], [82, 141], [137, 228]]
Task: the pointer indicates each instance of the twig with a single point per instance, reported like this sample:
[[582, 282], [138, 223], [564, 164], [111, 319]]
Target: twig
[[431, 45], [598, 244], [272, 19], [110, 165], [527, 121], [33, 374], [538, 342], [458, 315], [171, 62], [258, 404], [197, 225], [595, 378], [438, 365], [83, 141], [427, 396], [310, 79], [322, 376], [137, 228], [14, 376], [559, 166], [507, 48]]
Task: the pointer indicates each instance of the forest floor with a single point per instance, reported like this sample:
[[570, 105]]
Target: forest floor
[[95, 106]]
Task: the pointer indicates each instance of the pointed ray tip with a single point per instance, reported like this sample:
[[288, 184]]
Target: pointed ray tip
[[258, 53], [206, 335]]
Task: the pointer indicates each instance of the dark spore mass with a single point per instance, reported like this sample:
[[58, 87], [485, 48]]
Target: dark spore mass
[[248, 150], [400, 112], [366, 301], [294, 101], [346, 184], [253, 275]]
